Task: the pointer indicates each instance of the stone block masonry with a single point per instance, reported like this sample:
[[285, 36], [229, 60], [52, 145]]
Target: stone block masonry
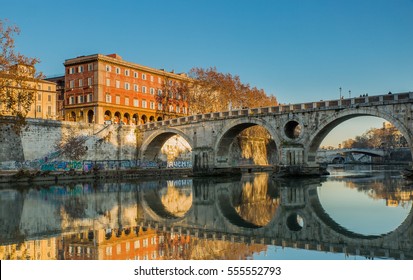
[[37, 142]]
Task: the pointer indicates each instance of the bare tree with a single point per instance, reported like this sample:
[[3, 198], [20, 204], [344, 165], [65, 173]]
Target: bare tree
[[172, 96], [18, 77]]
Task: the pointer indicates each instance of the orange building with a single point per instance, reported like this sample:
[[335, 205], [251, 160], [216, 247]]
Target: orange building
[[101, 88], [126, 244]]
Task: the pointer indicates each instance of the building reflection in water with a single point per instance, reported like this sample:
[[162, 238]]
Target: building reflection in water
[[188, 219]]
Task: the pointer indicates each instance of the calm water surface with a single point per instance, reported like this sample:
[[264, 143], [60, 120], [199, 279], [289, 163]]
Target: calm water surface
[[355, 213]]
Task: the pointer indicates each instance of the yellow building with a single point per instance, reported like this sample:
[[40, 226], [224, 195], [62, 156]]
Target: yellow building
[[22, 83]]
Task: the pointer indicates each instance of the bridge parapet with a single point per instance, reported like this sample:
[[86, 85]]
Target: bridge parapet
[[282, 109]]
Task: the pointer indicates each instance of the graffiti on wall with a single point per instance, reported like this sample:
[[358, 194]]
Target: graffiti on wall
[[88, 166]]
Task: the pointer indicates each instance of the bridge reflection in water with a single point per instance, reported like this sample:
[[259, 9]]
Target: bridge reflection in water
[[255, 217]]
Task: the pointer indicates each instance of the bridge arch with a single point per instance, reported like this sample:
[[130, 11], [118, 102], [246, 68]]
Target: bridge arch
[[152, 145], [233, 128], [328, 124], [153, 204]]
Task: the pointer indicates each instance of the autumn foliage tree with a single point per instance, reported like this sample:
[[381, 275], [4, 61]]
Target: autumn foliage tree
[[18, 77], [212, 91], [172, 94]]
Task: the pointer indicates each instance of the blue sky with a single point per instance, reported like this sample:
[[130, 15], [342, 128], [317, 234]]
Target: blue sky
[[296, 50]]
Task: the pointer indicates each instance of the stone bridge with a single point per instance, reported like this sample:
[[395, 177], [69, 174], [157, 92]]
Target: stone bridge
[[292, 216], [296, 130]]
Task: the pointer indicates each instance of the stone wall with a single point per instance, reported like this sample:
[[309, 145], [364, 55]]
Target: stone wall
[[37, 140]]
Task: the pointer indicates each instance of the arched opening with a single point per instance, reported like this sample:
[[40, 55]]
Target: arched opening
[[117, 118], [246, 144], [126, 118], [144, 119], [72, 116], [135, 119], [108, 115], [159, 119], [292, 129], [172, 199], [90, 116], [151, 119], [368, 206], [168, 150], [361, 139], [295, 222]]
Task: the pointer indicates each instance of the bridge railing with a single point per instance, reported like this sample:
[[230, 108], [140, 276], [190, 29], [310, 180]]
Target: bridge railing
[[282, 108]]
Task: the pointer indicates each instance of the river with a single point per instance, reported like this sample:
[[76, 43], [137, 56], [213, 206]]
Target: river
[[358, 212]]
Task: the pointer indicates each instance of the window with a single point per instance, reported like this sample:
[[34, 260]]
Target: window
[[71, 83], [135, 87], [80, 69], [38, 87], [89, 81], [80, 99], [118, 249], [135, 102], [39, 97], [160, 106], [126, 72], [80, 82], [143, 76], [89, 97], [171, 108], [135, 74], [117, 84], [145, 243], [49, 88], [90, 67], [72, 100], [108, 251], [159, 80], [159, 92], [152, 105], [39, 109], [71, 70], [178, 110], [151, 78], [137, 244], [117, 99], [108, 82], [127, 101], [108, 98], [49, 98], [184, 110], [49, 110], [144, 104], [127, 86], [117, 70], [143, 89], [152, 91], [108, 68]]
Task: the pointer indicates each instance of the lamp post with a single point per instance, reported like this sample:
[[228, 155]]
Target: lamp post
[[349, 93], [340, 92]]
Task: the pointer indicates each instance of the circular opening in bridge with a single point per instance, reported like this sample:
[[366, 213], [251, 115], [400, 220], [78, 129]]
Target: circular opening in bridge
[[295, 222], [292, 129]]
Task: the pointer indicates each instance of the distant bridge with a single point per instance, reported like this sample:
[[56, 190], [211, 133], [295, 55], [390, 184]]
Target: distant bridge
[[296, 130]]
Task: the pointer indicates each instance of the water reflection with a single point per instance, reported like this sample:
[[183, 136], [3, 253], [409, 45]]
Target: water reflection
[[255, 217]]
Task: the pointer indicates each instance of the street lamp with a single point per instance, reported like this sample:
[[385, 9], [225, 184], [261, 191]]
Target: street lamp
[[349, 93], [340, 92]]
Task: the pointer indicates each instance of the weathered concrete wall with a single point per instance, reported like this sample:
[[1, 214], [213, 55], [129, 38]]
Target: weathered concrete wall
[[37, 141], [10, 144]]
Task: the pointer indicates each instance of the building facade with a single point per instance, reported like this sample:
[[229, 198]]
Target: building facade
[[105, 88], [40, 93]]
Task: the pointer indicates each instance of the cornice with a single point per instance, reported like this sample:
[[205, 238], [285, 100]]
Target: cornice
[[131, 65]]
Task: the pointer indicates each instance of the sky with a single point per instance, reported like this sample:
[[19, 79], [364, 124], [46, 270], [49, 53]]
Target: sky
[[297, 50]]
